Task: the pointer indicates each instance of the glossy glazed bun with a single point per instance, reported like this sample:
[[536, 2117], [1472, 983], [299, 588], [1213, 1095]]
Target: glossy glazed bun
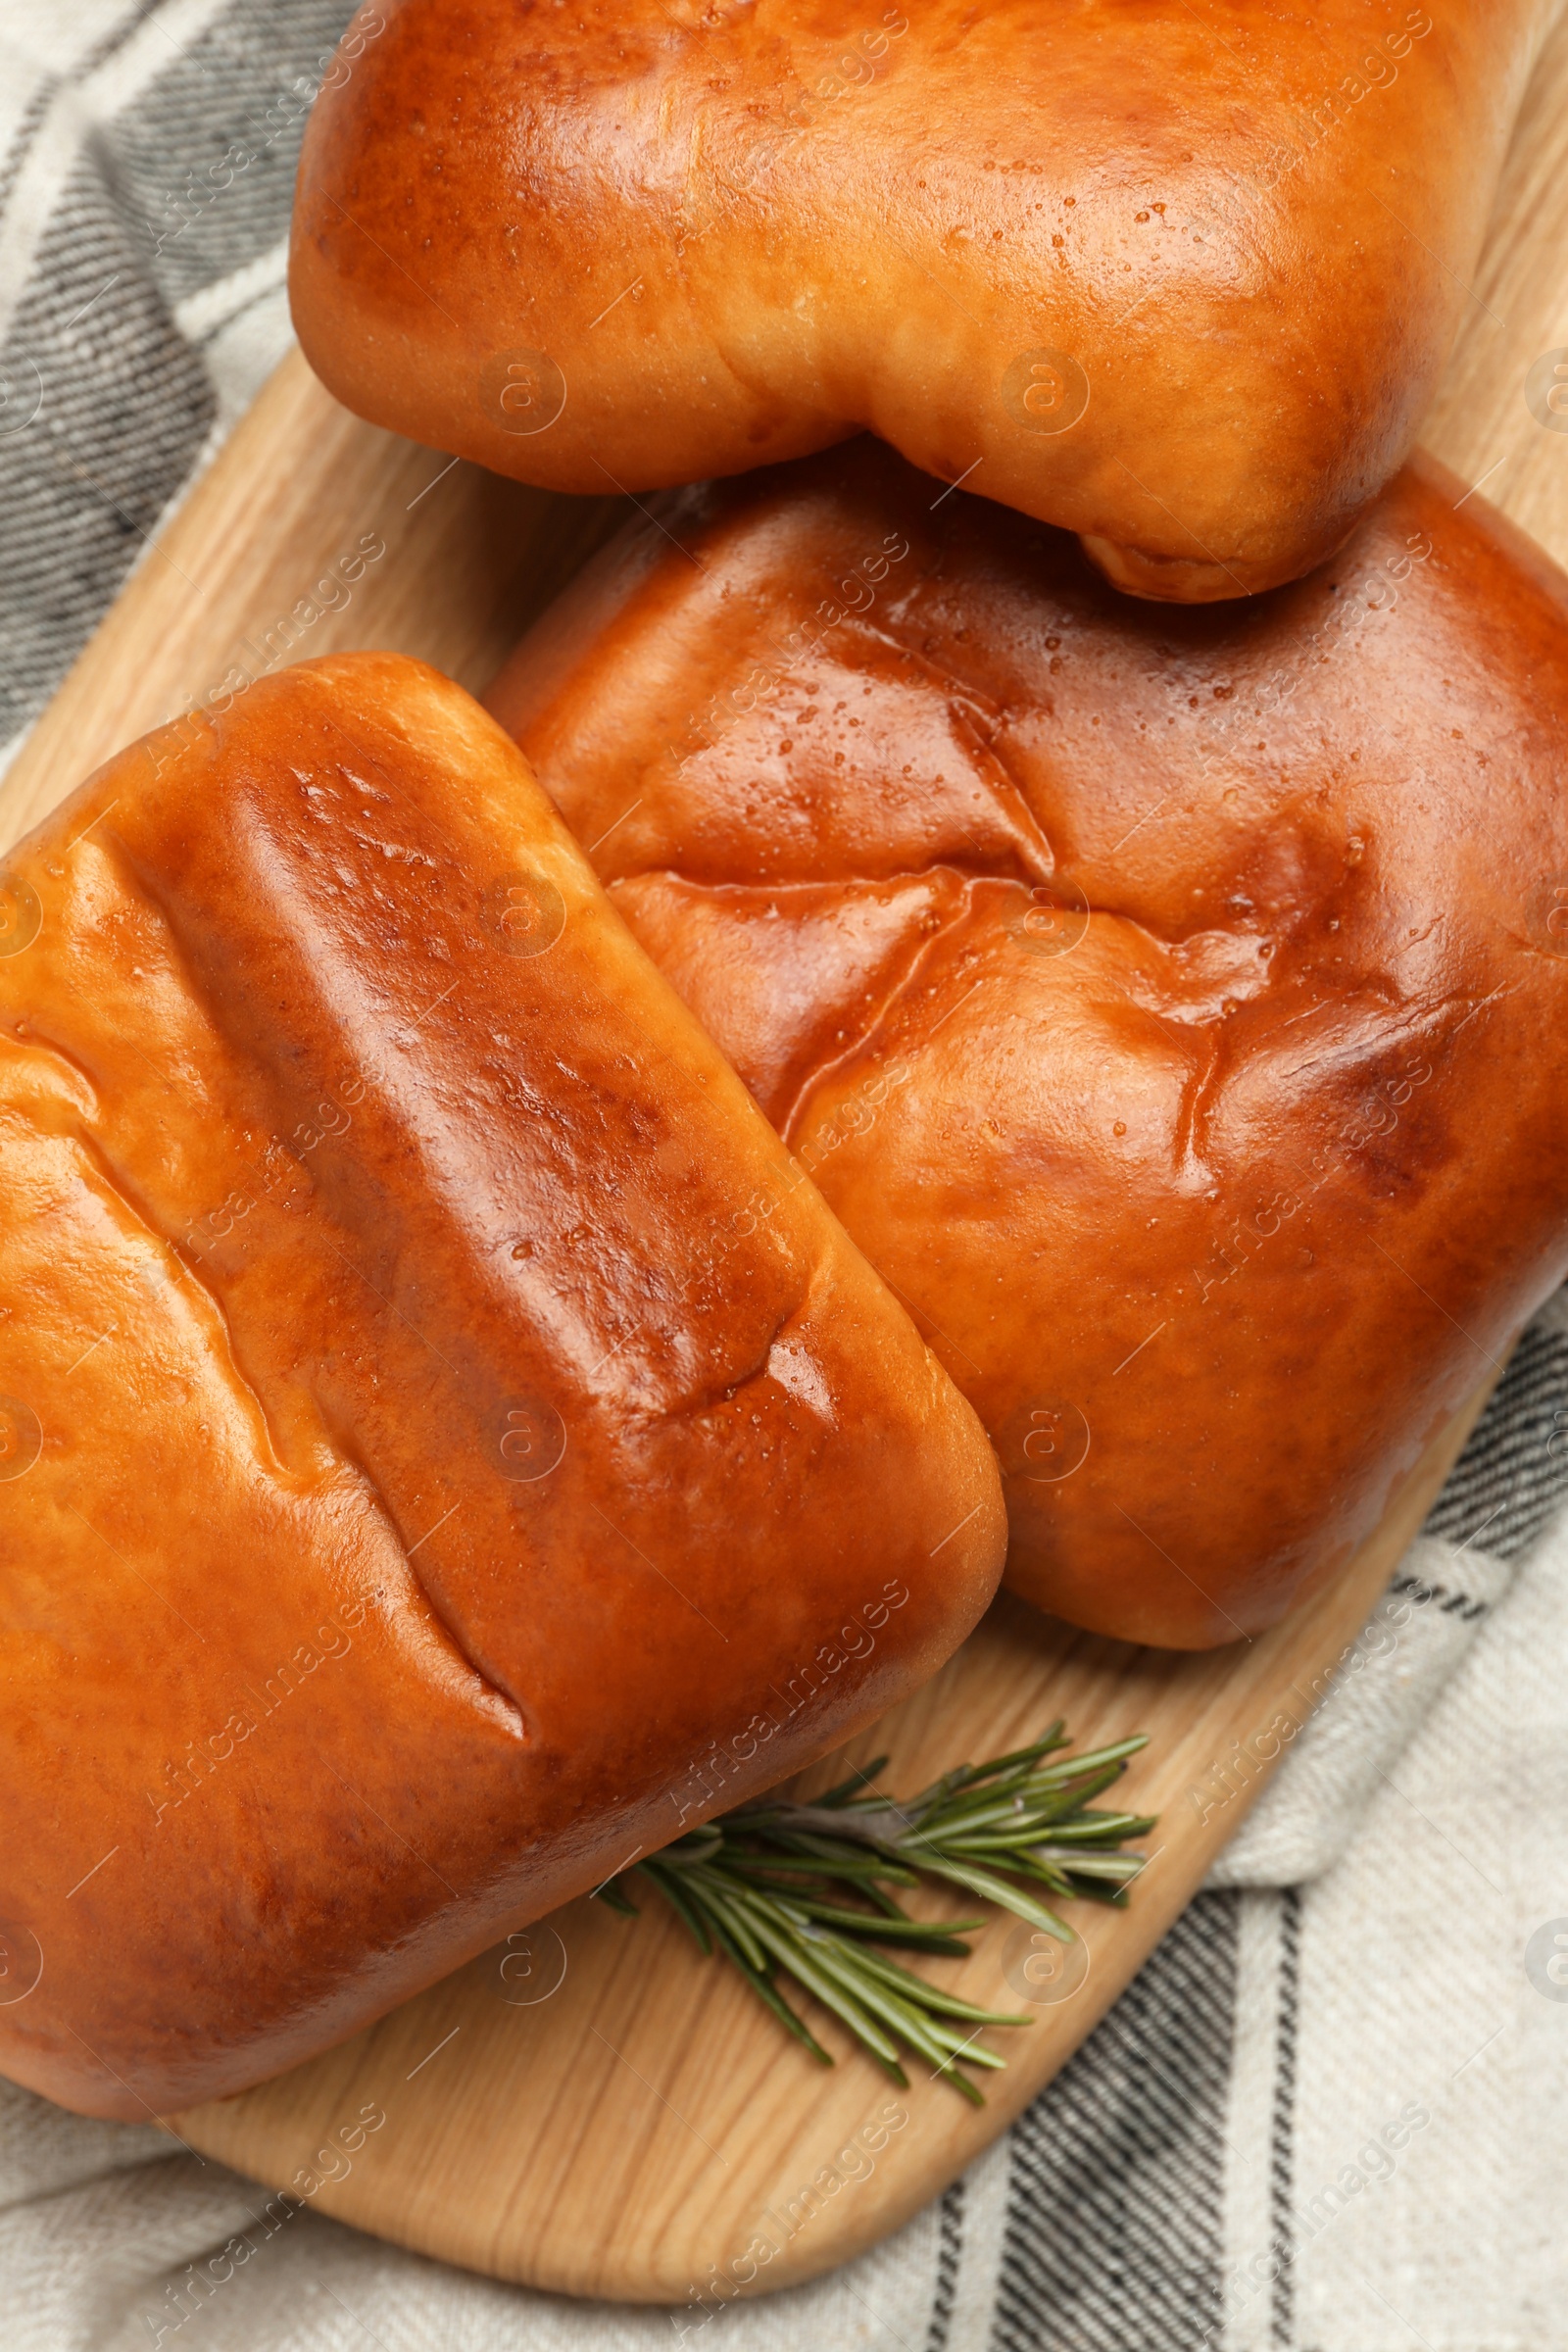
[[446, 1447], [1172, 1004]]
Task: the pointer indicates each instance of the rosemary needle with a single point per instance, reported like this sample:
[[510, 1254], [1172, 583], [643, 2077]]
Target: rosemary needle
[[802, 1889]]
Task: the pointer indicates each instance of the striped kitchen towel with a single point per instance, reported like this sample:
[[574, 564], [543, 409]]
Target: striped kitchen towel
[[1331, 2114]]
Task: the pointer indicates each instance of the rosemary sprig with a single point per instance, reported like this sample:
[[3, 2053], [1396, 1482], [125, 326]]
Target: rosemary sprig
[[802, 1889]]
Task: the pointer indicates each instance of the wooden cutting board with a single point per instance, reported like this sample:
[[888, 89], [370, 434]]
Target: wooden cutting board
[[592, 2107]]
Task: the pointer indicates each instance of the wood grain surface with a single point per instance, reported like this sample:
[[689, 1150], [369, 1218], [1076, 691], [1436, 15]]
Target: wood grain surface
[[592, 2107]]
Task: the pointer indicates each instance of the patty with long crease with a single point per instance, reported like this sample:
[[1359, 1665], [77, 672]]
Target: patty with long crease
[[445, 1445]]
